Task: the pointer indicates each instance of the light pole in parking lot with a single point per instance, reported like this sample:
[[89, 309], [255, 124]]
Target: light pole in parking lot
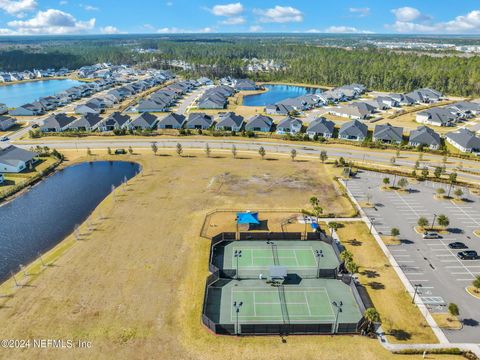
[[318, 255], [372, 219], [433, 222], [415, 292]]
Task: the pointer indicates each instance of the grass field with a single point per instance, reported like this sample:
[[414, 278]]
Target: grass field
[[134, 285]]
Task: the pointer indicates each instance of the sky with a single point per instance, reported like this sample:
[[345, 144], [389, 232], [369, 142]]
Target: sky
[[46, 17]]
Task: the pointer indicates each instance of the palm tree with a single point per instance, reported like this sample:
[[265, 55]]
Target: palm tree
[[476, 284], [443, 221], [346, 256], [262, 152], [422, 222], [453, 309], [179, 149], [293, 154], [372, 316], [323, 156], [458, 193], [351, 267], [154, 148], [403, 183], [395, 232]]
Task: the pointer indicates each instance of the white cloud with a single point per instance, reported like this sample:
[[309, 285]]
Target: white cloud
[[110, 30], [90, 7], [344, 30], [255, 28], [63, 2], [18, 8], [362, 12], [406, 13], [233, 9], [463, 24], [175, 30], [279, 14], [235, 20], [52, 21]]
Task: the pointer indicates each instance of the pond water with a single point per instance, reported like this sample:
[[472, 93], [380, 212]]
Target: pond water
[[276, 93], [39, 219], [14, 95]]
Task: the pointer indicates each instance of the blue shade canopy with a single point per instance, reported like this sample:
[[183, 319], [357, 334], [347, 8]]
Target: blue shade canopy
[[247, 218]]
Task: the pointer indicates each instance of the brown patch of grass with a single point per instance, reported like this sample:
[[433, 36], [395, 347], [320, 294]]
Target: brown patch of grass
[[391, 240], [447, 321]]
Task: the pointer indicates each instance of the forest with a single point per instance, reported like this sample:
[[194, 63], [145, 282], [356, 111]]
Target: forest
[[306, 61]]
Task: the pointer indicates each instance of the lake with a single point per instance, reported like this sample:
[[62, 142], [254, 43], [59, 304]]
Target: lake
[[14, 95], [276, 93], [40, 218]]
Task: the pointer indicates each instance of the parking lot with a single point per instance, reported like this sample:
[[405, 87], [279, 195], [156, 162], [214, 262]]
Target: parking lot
[[440, 276]]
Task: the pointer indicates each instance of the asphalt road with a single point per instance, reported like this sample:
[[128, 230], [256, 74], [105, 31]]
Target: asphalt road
[[360, 155], [429, 263]]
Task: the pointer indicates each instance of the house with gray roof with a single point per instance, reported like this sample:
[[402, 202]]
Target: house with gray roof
[[114, 121], [425, 96], [86, 122], [464, 140], [401, 99], [14, 159], [425, 136], [172, 121], [245, 84], [6, 122], [151, 105], [465, 109], [230, 122], [321, 127], [289, 125], [260, 123], [212, 101], [278, 109], [86, 109], [388, 134], [32, 109], [3, 109], [351, 112], [353, 130], [200, 121], [437, 117], [56, 123], [145, 121]]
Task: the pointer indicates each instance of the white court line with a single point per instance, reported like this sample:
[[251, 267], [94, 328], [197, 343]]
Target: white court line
[[308, 305]]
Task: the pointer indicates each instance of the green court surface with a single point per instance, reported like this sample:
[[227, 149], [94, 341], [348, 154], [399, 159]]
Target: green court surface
[[257, 256], [265, 305], [308, 302]]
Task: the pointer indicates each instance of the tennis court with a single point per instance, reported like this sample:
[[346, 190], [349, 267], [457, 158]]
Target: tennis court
[[267, 305], [253, 258]]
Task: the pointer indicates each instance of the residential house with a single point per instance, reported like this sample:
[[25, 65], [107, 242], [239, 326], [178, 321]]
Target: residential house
[[289, 125], [87, 109], [172, 121], [3, 109], [351, 112], [6, 122], [32, 109], [56, 123], [200, 121], [388, 134], [245, 85], [150, 105], [115, 121], [14, 159], [279, 109], [87, 122], [437, 117], [353, 130], [425, 136], [321, 127], [464, 140], [260, 123], [230, 122], [465, 109], [425, 96], [401, 99], [145, 121]]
